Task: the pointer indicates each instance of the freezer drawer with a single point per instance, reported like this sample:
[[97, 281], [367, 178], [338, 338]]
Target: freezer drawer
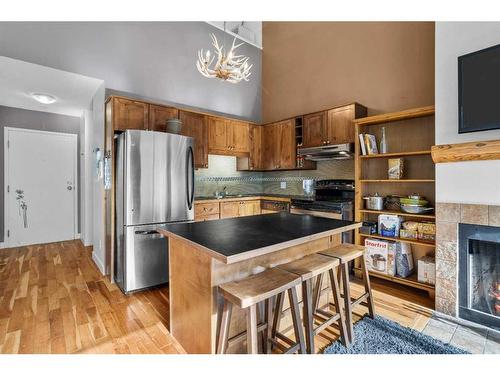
[[145, 258]]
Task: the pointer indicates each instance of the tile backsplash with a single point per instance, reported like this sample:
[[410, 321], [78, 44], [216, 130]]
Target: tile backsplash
[[222, 173]]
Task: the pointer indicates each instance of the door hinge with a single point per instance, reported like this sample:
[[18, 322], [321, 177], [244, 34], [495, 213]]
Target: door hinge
[[8, 188], [8, 233]]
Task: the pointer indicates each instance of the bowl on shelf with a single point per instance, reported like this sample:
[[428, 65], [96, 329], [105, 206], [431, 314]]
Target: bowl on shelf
[[415, 209], [413, 201]]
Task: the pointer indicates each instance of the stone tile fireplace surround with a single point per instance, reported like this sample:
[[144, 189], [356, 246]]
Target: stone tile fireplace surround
[[448, 216]]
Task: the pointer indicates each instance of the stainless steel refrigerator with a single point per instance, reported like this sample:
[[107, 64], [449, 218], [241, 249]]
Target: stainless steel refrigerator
[[154, 185]]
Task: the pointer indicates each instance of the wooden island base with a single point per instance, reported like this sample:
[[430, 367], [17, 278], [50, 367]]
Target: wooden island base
[[194, 301]]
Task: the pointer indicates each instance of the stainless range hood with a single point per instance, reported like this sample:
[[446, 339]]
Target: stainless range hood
[[330, 152]]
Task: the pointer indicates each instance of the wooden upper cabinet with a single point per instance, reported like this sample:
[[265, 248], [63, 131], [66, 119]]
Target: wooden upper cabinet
[[340, 127], [271, 145], [287, 153], [227, 137], [158, 116], [313, 129], [279, 145], [331, 127], [237, 132], [130, 114], [255, 158], [195, 125], [217, 135]]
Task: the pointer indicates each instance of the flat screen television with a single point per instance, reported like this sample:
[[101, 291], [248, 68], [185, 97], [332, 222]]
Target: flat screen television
[[479, 90]]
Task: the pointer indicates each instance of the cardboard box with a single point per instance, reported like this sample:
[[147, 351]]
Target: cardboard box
[[410, 234], [427, 228], [426, 268], [396, 169], [380, 256]]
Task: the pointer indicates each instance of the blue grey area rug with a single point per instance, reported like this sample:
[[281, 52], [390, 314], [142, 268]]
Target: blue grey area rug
[[383, 336]]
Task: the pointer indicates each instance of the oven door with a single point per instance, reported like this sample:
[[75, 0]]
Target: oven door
[[347, 237], [328, 215]]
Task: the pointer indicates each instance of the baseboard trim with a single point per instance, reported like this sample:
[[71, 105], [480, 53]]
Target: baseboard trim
[[98, 263]]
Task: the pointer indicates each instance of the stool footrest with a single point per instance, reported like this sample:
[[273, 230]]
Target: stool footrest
[[360, 299], [243, 335], [283, 348], [286, 339], [333, 318]]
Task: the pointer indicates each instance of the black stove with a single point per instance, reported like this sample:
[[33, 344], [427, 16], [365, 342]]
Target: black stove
[[333, 199], [330, 196]]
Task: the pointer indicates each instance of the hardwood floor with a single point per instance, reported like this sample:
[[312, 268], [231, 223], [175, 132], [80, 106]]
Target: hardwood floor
[[53, 299]]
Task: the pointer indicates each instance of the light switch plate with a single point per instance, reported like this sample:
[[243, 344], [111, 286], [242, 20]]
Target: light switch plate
[[283, 184]]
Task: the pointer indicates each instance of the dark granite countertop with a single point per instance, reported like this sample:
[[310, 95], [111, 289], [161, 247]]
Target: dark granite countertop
[[250, 195], [234, 240]]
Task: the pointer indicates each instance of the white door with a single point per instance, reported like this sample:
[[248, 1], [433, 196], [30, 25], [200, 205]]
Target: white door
[[40, 187]]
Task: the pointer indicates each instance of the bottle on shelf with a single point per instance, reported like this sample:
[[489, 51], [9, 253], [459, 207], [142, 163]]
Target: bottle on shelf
[[383, 142]]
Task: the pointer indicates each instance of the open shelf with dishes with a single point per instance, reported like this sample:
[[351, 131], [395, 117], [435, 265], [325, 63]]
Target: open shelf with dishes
[[400, 213], [409, 137]]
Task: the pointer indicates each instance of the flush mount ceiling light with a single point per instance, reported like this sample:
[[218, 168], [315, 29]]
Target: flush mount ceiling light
[[228, 66], [43, 98]]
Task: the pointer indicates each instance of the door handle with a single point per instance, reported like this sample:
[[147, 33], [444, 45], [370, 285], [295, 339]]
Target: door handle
[[146, 232], [190, 170]]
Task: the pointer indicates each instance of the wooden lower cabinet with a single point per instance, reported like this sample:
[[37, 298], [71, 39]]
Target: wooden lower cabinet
[[207, 217], [229, 209], [249, 208], [226, 210], [239, 209]]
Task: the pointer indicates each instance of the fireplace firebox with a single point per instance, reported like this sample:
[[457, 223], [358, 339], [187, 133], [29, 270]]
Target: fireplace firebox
[[479, 274]]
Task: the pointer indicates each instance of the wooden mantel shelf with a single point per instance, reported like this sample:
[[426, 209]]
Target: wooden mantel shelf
[[480, 150]]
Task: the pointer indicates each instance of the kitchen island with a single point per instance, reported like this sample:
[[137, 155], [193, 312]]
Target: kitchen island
[[203, 255]]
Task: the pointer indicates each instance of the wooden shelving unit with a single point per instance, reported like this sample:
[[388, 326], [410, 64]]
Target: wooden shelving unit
[[409, 135], [402, 181], [392, 212], [409, 281], [407, 240], [396, 154]]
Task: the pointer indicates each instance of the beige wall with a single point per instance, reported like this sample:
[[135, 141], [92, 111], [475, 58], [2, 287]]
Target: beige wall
[[309, 66]]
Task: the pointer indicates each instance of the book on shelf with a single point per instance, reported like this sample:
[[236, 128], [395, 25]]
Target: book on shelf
[[371, 144], [362, 144]]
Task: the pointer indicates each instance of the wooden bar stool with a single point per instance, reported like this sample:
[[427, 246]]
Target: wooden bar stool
[[307, 268], [345, 253], [246, 294]]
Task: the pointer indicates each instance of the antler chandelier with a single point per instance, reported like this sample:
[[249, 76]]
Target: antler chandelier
[[228, 66]]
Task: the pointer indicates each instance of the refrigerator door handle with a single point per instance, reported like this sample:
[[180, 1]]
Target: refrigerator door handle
[[146, 232], [190, 165]]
